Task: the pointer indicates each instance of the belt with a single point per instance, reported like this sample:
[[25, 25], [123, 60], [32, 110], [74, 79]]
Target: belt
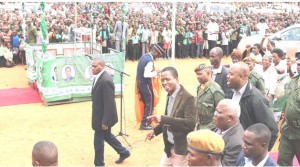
[[204, 119], [295, 123]]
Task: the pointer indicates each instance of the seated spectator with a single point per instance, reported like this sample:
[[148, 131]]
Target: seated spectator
[[44, 153], [256, 141], [227, 122], [205, 148]]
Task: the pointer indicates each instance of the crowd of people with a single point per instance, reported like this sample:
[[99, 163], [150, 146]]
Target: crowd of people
[[120, 26]]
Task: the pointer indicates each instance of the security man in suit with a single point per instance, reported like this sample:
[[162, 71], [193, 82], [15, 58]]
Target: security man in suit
[[209, 94], [255, 78]]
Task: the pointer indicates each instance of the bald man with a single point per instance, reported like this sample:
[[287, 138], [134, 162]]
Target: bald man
[[254, 106], [44, 153], [219, 72], [227, 123], [104, 114]]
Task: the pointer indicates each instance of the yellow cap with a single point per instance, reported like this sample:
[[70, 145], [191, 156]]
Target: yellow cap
[[206, 141]]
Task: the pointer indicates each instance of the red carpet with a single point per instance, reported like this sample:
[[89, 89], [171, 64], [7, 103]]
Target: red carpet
[[274, 156], [17, 96]]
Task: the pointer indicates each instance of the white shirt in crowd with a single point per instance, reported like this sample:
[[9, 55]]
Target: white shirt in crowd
[[270, 77], [262, 27], [248, 162], [237, 95], [167, 34], [154, 37], [281, 65], [211, 28], [224, 38]]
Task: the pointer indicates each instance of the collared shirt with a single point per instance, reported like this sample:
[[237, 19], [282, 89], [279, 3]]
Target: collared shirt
[[171, 100], [248, 162], [149, 73], [97, 76], [216, 71], [219, 131], [237, 95], [203, 86]]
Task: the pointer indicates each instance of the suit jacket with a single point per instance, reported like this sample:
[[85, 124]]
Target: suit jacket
[[241, 161], [104, 110], [181, 121], [233, 145], [118, 30], [221, 79]]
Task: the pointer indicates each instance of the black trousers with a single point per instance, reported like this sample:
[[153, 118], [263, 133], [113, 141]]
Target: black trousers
[[211, 44], [146, 92]]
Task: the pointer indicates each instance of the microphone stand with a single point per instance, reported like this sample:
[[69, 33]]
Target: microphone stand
[[121, 111]]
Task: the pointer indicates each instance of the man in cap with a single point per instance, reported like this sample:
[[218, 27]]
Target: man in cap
[[289, 145], [145, 71], [179, 119], [31, 32], [255, 78], [227, 123], [254, 106], [256, 140], [212, 32], [209, 94], [205, 148]]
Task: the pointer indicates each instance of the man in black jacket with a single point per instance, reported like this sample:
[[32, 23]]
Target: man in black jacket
[[254, 106], [104, 114]]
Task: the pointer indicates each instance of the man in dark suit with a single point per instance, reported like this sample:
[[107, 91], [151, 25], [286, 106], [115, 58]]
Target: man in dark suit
[[256, 140], [254, 106], [219, 72], [104, 114], [227, 122], [178, 121]]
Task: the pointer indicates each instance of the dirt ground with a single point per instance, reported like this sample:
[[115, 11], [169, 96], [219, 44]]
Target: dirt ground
[[69, 125]]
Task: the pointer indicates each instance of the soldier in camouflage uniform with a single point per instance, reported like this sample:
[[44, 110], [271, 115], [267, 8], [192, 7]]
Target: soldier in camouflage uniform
[[255, 78], [209, 94], [289, 145]]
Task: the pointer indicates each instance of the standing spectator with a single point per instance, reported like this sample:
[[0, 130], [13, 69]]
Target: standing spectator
[[31, 32], [160, 37], [262, 27], [227, 123], [44, 153], [104, 38], [135, 44], [118, 33], [153, 36], [290, 136], [66, 37], [193, 49], [167, 34], [179, 43], [224, 42], [187, 42], [145, 35], [243, 30], [104, 114], [199, 41], [233, 38], [209, 94], [14, 45], [180, 116], [212, 32], [254, 106], [145, 71]]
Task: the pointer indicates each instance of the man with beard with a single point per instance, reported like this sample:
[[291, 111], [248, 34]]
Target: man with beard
[[254, 106]]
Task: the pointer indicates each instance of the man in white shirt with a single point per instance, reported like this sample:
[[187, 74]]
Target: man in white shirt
[[256, 140], [226, 120], [212, 31], [262, 26]]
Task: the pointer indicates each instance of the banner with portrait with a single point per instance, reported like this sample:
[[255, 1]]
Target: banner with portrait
[[65, 79]]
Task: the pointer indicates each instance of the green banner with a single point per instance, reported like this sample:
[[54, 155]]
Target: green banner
[[65, 79]]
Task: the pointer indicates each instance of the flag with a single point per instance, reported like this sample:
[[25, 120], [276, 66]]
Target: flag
[[43, 27]]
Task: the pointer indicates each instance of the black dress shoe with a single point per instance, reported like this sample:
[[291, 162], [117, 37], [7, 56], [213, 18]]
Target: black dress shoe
[[122, 158], [146, 127]]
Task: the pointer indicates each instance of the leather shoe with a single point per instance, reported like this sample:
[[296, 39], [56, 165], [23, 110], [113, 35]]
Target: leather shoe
[[146, 127], [122, 158]]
